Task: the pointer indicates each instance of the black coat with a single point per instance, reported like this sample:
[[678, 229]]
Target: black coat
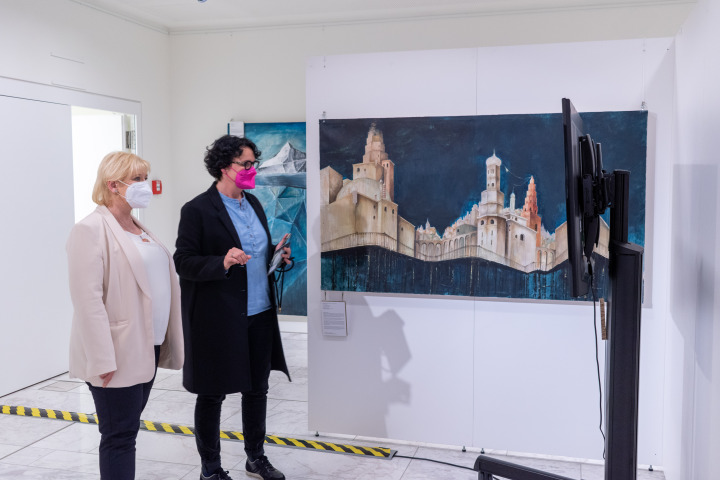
[[214, 305]]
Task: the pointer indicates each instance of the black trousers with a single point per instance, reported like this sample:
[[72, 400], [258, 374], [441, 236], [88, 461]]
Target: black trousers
[[254, 401], [118, 411]]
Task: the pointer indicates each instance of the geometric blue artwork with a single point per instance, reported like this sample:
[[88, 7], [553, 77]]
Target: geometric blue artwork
[[280, 187], [468, 206]]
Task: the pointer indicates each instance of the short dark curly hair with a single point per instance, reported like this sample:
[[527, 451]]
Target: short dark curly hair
[[221, 153]]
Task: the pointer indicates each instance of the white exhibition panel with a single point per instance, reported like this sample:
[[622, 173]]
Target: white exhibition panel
[[37, 199], [395, 366], [532, 356], [533, 375], [547, 387], [596, 76], [410, 84]]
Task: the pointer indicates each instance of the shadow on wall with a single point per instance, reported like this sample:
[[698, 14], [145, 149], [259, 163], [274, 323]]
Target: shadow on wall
[[692, 305], [388, 354], [374, 369]]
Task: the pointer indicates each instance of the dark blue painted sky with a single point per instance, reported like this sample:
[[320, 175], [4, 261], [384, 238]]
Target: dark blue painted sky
[[440, 161]]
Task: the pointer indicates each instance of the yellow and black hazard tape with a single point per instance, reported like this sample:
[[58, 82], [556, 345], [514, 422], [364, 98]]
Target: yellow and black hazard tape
[[377, 452], [44, 413]]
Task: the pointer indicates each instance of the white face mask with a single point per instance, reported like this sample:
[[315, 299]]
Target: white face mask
[[138, 194]]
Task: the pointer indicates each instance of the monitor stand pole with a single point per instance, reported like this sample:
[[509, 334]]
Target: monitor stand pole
[[622, 356]]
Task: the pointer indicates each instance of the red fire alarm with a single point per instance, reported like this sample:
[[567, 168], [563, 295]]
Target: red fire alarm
[[156, 187]]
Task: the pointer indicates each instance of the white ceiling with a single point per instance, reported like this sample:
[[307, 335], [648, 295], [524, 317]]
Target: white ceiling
[[186, 16]]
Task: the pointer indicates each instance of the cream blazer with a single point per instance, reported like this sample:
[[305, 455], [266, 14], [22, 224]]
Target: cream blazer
[[112, 327]]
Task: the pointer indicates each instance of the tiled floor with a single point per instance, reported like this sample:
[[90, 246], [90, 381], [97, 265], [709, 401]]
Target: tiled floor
[[39, 448]]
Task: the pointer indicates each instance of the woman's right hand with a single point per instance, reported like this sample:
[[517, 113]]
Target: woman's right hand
[[106, 377], [235, 256]]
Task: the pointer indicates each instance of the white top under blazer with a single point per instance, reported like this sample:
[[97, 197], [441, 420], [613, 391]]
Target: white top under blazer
[[156, 265]]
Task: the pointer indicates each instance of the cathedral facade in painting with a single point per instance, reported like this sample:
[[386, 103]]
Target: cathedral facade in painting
[[362, 212]]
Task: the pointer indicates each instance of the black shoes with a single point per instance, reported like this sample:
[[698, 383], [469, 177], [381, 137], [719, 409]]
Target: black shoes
[[219, 474], [261, 468]]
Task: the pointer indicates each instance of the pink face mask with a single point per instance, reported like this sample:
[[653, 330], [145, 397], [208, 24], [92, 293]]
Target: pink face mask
[[244, 179]]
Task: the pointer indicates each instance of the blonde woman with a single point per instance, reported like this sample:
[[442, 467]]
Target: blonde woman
[[126, 301]]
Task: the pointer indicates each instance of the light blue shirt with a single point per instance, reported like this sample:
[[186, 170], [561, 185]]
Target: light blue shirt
[[254, 243]]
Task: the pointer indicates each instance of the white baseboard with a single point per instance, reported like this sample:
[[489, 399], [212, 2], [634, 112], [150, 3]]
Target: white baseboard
[[293, 323]]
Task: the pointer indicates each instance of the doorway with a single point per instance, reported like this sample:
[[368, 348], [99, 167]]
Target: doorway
[[95, 133]]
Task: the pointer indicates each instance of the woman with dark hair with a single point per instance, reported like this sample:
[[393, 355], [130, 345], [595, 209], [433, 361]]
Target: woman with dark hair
[[232, 337]]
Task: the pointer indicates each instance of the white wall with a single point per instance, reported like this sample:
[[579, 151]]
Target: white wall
[[692, 363], [515, 376], [109, 59], [258, 75]]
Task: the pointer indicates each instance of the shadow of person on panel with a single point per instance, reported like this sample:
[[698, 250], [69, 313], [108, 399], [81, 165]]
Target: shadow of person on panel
[[389, 353], [375, 352]]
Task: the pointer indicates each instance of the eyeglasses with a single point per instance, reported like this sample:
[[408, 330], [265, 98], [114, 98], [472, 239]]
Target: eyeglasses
[[248, 165]]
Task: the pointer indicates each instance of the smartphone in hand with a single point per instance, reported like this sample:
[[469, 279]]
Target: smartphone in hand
[[284, 242], [277, 257]]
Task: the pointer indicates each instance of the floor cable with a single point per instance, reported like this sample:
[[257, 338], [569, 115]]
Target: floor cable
[[436, 461]]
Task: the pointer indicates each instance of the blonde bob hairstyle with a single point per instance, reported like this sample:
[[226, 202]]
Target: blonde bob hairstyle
[[116, 166]]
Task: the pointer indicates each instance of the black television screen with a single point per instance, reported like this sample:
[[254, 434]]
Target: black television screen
[[583, 168]]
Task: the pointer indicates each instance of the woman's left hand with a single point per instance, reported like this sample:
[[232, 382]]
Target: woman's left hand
[[106, 377], [286, 249], [286, 255]]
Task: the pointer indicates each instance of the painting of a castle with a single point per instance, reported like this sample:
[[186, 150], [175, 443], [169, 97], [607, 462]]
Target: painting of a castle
[[419, 209]]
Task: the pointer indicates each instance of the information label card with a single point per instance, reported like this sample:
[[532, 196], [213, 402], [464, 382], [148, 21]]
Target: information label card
[[334, 319]]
